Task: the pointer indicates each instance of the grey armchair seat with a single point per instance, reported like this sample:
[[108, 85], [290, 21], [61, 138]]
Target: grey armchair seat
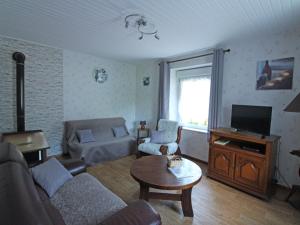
[[172, 133]]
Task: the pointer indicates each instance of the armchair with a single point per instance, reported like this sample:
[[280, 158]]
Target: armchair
[[171, 133]]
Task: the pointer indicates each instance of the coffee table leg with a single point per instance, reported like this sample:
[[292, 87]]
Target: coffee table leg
[[186, 202], [144, 190]]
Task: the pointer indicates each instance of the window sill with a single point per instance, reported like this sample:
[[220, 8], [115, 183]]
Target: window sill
[[195, 130]]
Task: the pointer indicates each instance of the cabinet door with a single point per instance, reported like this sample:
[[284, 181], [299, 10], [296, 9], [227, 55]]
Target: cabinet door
[[222, 162], [250, 171]]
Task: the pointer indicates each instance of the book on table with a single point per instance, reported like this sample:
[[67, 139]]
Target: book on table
[[181, 171]]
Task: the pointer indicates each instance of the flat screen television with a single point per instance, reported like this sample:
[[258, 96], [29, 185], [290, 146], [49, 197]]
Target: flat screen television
[[251, 118]]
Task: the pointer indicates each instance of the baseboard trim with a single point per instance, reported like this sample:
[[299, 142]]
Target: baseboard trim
[[194, 159]]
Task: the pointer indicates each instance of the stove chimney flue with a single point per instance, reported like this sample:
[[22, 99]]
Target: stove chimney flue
[[20, 102]]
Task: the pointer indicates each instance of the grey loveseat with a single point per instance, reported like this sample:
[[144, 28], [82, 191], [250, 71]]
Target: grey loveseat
[[106, 147]]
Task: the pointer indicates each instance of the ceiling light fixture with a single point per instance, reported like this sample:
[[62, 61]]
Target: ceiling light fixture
[[142, 25]]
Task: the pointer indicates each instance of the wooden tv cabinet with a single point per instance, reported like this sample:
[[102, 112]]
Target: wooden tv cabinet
[[247, 162]]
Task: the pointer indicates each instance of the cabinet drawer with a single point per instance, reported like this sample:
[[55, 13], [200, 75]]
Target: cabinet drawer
[[221, 162], [250, 171]]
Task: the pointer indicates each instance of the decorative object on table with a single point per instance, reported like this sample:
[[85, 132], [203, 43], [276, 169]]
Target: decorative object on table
[[275, 74], [141, 24], [100, 75], [142, 133], [174, 161], [143, 124], [29, 142], [146, 81], [294, 106]]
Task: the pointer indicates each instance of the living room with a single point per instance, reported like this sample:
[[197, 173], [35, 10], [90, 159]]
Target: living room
[[125, 68]]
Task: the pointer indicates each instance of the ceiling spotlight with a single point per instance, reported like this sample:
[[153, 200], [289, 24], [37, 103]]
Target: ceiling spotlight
[[142, 25]]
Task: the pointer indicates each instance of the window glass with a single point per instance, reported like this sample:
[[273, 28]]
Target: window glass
[[193, 102]]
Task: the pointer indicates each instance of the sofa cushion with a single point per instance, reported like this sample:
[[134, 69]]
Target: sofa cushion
[[51, 175], [159, 137], [120, 131], [83, 200], [85, 136]]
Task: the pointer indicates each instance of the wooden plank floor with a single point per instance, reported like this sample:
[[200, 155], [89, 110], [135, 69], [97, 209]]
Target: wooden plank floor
[[213, 202]]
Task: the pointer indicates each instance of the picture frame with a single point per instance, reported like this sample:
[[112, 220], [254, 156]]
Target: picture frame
[[275, 74], [146, 81]]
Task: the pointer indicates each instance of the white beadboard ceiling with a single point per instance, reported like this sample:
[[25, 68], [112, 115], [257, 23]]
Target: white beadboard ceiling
[[97, 26]]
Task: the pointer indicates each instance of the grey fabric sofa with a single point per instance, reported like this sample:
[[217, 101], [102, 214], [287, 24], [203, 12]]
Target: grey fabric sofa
[[107, 146]]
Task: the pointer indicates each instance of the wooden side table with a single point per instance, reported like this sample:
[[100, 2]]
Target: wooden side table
[[30, 143], [142, 133]]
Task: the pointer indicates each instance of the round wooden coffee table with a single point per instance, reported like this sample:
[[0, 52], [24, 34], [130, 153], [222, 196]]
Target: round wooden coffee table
[[152, 171]]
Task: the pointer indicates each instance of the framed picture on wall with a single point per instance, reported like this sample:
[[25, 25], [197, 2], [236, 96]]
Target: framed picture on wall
[[146, 81], [275, 74]]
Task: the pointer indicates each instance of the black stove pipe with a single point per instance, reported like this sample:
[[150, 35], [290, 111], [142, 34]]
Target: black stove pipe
[[20, 58]]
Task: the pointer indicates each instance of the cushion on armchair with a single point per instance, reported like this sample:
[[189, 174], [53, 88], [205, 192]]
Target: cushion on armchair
[[159, 137], [153, 149]]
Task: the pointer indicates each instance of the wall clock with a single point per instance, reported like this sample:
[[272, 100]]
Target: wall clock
[[100, 75]]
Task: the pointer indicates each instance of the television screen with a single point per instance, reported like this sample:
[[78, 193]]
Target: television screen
[[251, 118]]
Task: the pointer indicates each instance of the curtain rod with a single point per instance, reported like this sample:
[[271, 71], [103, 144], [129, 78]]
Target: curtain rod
[[194, 57]]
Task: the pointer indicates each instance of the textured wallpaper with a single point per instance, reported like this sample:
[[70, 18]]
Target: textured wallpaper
[[239, 88], [84, 98], [147, 96], [43, 89]]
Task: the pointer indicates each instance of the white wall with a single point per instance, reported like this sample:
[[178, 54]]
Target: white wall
[[239, 88], [84, 98]]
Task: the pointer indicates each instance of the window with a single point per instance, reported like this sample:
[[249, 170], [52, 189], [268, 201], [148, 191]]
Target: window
[[193, 93]]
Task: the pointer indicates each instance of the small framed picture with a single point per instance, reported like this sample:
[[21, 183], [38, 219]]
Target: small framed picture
[[146, 81]]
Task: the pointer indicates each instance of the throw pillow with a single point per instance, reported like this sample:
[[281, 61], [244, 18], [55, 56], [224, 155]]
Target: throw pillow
[[85, 136], [120, 131], [158, 137], [51, 175]]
